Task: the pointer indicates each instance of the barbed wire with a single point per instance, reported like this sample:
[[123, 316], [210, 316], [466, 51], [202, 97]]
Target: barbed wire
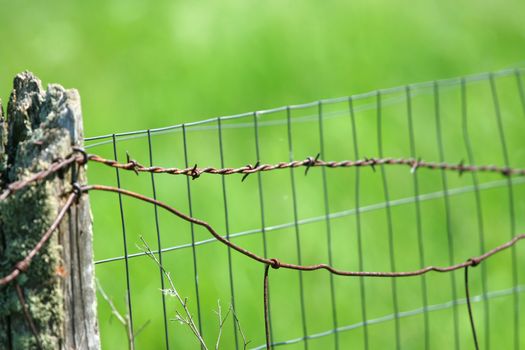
[[414, 164], [39, 176], [79, 156]]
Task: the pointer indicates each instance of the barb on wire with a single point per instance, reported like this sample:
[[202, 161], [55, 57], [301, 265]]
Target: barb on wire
[[250, 167], [310, 162], [23, 264], [129, 160], [414, 164], [195, 172], [275, 263], [372, 162], [80, 157]]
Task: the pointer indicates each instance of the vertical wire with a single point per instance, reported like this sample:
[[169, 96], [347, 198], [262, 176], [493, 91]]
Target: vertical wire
[[328, 226], [266, 309], [159, 244], [261, 205], [190, 208], [296, 225], [389, 222], [506, 159], [358, 225], [419, 227], [126, 262], [227, 223], [479, 211], [469, 307], [446, 199], [521, 90], [259, 181]]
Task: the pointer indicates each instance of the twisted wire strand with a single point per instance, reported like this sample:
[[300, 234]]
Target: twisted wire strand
[[275, 263], [413, 163], [80, 157], [16, 186]]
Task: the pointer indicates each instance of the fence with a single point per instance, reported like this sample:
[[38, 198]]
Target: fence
[[419, 195]]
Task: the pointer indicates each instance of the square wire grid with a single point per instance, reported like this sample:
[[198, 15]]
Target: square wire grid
[[376, 217]]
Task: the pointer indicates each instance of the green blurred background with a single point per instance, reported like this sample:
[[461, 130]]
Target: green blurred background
[[141, 65]]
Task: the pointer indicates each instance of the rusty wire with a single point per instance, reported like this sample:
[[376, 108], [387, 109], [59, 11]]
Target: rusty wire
[[269, 262], [56, 166], [275, 263], [414, 164], [80, 157], [27, 315], [469, 307], [23, 264], [266, 307]]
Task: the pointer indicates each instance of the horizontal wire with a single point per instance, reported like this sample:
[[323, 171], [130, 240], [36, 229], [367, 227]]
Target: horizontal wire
[[336, 215], [443, 83], [272, 262], [201, 125], [55, 167], [276, 264], [195, 172], [390, 317]]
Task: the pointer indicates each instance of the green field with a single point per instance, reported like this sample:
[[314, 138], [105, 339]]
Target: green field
[[142, 65]]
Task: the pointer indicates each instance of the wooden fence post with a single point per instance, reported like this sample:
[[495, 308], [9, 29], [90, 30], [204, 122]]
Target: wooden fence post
[[58, 289]]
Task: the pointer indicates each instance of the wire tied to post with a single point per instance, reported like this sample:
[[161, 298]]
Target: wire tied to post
[[83, 153]]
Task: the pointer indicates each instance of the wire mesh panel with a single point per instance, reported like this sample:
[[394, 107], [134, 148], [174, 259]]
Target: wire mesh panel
[[375, 217]]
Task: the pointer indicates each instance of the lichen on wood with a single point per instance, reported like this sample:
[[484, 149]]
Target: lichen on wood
[[42, 126]]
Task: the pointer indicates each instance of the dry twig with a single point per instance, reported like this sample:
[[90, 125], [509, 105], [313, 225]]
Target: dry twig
[[187, 318], [124, 320]]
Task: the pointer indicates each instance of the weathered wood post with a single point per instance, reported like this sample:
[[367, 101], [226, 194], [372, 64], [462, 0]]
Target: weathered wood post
[[58, 288]]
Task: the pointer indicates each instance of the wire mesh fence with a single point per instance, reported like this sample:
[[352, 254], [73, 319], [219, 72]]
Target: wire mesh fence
[[437, 209]]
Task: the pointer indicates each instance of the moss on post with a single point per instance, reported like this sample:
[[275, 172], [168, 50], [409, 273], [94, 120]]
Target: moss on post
[[42, 126]]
